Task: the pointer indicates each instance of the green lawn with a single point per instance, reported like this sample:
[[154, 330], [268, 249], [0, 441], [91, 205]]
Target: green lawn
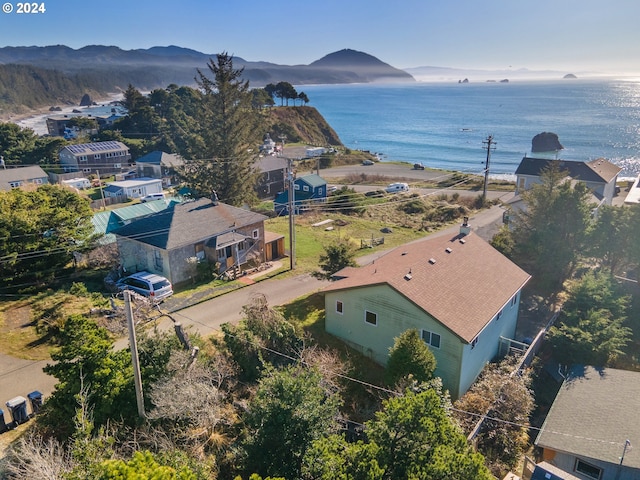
[[310, 240]]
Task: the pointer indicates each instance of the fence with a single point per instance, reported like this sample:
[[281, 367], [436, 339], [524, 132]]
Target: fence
[[371, 242]]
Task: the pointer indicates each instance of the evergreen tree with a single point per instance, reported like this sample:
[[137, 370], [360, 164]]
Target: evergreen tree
[[336, 256], [410, 355], [551, 232], [231, 129], [591, 328], [289, 411], [39, 231]]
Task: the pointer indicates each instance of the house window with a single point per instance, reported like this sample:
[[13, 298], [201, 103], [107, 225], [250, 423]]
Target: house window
[[117, 165], [242, 246], [296, 187], [588, 470], [339, 306], [157, 259], [199, 247], [499, 315], [255, 233], [38, 181], [96, 157], [15, 184], [220, 253], [430, 338], [86, 170], [305, 188], [474, 342], [514, 300], [82, 158], [370, 317]]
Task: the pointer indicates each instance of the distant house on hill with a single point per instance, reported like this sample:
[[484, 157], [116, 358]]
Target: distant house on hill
[[160, 165], [164, 242], [460, 293], [307, 190], [107, 158], [18, 177], [592, 430], [599, 175]]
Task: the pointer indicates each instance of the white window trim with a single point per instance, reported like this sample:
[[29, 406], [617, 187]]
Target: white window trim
[[341, 311], [575, 469], [431, 334], [369, 323]]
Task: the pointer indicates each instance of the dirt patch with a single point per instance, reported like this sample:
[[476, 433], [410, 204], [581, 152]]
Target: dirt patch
[[16, 318]]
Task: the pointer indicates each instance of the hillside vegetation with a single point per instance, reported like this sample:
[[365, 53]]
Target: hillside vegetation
[[25, 87], [301, 124]]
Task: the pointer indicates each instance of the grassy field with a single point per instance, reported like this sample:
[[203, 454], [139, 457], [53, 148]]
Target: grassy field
[[310, 240]]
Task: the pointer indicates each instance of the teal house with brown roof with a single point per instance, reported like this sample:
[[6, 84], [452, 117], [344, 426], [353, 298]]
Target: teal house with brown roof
[[460, 293]]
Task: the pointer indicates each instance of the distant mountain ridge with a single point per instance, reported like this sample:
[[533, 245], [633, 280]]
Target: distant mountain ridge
[[172, 64]]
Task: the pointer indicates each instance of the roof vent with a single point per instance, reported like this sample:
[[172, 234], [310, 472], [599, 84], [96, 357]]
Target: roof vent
[[463, 241], [404, 253], [432, 261], [408, 276], [448, 250]]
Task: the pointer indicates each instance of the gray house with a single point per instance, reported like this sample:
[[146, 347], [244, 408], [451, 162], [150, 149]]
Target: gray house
[[107, 158], [173, 241], [160, 165], [599, 175], [593, 428], [22, 176]]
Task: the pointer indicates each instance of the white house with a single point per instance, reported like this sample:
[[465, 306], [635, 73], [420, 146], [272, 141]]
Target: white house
[[599, 175], [130, 189]]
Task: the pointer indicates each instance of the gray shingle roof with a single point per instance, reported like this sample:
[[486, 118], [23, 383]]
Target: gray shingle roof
[[187, 223], [599, 170], [21, 174], [593, 414]]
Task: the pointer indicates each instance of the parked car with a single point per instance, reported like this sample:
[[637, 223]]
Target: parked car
[[418, 166], [152, 196], [367, 162], [397, 187], [332, 188], [156, 287]]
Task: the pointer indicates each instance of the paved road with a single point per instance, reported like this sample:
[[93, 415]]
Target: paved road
[[19, 377]]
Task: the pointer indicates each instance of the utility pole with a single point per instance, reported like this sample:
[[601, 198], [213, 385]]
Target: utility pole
[[489, 144], [292, 222], [133, 345]]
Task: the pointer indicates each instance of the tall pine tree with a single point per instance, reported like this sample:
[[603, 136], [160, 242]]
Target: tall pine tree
[[231, 130]]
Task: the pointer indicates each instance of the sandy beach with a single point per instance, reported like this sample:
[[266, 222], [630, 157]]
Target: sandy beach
[[36, 119]]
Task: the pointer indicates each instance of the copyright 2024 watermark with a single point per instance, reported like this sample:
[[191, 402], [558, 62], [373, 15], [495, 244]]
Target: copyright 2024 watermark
[[24, 8]]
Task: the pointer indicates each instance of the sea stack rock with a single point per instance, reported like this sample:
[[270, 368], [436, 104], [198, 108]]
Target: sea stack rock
[[545, 142], [86, 100], [569, 75]]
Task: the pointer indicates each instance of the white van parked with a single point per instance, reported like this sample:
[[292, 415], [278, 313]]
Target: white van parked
[[152, 196], [397, 187]]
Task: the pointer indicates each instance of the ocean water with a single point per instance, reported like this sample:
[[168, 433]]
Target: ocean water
[[444, 125]]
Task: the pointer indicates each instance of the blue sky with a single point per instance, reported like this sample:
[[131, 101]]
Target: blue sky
[[494, 34]]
